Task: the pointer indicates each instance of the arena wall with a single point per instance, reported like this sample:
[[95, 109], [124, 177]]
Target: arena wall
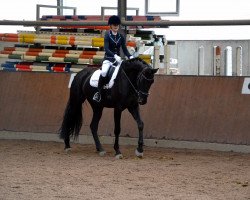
[[182, 108]]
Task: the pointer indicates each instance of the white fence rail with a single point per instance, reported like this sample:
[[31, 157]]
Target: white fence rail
[[215, 58]]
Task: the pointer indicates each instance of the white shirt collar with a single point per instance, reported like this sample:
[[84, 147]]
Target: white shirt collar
[[114, 33]]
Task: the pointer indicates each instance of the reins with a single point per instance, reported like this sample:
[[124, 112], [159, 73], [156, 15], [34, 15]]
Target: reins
[[131, 83], [138, 80]]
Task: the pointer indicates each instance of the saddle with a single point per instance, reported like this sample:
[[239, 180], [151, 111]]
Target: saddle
[[111, 75]]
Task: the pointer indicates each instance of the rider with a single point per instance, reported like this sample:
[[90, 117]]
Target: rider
[[113, 41]]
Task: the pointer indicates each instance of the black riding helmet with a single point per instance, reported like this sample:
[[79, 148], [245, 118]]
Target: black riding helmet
[[115, 20]]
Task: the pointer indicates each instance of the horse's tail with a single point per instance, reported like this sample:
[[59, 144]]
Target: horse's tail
[[72, 120]]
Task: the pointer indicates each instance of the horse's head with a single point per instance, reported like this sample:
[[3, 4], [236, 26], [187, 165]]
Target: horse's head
[[144, 81], [140, 77]]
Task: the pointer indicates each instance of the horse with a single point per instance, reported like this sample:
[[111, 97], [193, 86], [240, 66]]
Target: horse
[[130, 89]]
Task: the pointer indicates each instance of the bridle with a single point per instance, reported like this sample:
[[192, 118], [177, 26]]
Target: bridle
[[140, 77]]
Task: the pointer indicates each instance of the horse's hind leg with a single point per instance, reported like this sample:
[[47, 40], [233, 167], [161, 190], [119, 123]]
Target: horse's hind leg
[[136, 114], [97, 114], [117, 118], [67, 147]]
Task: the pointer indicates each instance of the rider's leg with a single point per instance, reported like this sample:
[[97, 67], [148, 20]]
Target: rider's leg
[[105, 67]]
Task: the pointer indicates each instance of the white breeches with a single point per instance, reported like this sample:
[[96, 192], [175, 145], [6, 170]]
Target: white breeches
[[105, 67]]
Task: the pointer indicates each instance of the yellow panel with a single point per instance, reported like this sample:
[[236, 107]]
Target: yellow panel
[[98, 39], [145, 56], [62, 37], [26, 35], [62, 42], [29, 40], [97, 44]]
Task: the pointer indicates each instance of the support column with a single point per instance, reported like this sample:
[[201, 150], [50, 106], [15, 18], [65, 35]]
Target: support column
[[239, 61], [166, 59], [122, 13], [228, 66], [217, 61], [59, 10], [201, 61], [156, 61], [122, 9]]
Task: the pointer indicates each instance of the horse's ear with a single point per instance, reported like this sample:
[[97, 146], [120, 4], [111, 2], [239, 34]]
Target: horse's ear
[[155, 70]]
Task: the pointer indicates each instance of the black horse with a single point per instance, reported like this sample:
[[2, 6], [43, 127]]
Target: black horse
[[131, 88]]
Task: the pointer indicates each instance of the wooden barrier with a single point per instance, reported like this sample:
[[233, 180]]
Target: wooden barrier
[[183, 108]]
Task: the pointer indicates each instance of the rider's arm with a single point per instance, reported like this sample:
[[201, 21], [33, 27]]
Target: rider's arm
[[124, 47]]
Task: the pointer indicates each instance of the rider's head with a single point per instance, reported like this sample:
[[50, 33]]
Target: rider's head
[[114, 22]]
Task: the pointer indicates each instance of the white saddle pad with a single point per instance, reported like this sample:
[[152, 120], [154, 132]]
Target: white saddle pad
[[95, 78]]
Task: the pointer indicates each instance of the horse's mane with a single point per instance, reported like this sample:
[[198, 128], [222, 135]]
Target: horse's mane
[[135, 63]]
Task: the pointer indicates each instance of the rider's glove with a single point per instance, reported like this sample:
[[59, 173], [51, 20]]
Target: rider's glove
[[118, 58], [131, 57]]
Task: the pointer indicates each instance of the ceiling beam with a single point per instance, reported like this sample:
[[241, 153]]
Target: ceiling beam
[[162, 23]]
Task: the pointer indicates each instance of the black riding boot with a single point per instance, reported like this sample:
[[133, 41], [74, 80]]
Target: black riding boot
[[97, 96]]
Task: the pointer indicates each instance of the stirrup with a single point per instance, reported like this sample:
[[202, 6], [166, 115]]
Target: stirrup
[[97, 97]]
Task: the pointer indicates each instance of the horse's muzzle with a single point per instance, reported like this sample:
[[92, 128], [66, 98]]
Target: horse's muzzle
[[142, 101], [142, 97]]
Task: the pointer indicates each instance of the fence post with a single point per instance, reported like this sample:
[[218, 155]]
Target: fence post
[[239, 61], [217, 61], [166, 59], [156, 60], [228, 66], [201, 62]]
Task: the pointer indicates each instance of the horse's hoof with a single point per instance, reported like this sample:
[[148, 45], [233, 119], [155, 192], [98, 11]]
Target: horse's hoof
[[102, 153], [138, 154], [119, 156], [67, 150]]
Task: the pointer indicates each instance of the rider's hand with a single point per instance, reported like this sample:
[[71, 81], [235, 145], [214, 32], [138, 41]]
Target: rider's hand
[[131, 57], [118, 58]]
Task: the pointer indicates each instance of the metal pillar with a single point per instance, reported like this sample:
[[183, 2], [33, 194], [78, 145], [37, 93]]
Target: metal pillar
[[228, 66], [59, 10], [201, 61], [122, 13], [217, 61], [166, 59], [156, 61], [239, 61], [122, 9]]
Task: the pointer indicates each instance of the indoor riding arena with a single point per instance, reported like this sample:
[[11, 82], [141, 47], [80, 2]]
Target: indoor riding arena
[[191, 138]]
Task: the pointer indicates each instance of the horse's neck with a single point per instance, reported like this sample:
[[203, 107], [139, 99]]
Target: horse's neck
[[131, 75], [128, 77], [132, 70]]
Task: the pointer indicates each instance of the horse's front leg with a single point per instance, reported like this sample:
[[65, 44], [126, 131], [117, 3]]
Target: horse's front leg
[[97, 114], [117, 130], [136, 115]]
